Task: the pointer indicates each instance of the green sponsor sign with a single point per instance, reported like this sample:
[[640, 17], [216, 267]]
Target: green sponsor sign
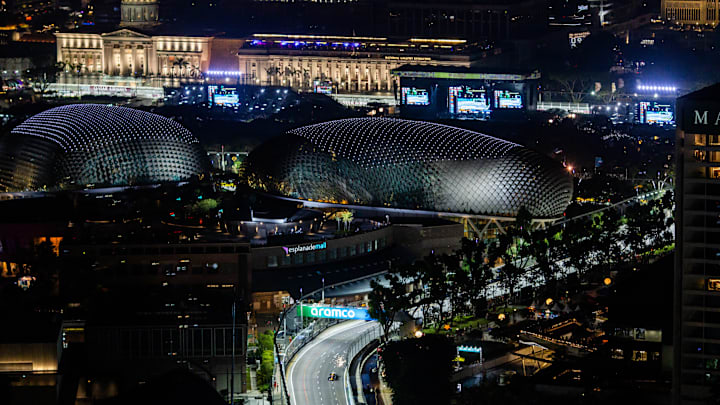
[[314, 311]]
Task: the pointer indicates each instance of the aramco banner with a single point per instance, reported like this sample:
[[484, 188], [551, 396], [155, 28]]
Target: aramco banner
[[313, 311]]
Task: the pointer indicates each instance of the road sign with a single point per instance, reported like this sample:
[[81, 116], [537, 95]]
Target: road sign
[[316, 311], [469, 349]]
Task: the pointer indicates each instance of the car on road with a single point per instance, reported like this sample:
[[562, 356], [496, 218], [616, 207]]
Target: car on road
[[332, 377]]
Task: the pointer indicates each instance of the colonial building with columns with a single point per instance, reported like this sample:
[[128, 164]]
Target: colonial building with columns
[[129, 53], [325, 63], [345, 64], [301, 62], [691, 12]]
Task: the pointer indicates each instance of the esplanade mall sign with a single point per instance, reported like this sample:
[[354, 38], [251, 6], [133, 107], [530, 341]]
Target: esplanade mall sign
[[291, 250]]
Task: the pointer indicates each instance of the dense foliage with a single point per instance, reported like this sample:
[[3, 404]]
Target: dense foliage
[[584, 249], [419, 370]]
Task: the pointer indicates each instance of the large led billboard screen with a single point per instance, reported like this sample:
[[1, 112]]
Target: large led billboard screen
[[508, 99], [223, 96], [322, 87], [467, 100], [651, 112], [414, 96]]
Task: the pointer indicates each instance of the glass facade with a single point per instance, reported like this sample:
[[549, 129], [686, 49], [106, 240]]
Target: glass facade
[[324, 256], [409, 164]]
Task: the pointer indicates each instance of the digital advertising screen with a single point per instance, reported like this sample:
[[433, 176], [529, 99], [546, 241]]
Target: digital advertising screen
[[414, 96], [322, 87], [651, 112], [467, 100], [223, 96], [508, 99]]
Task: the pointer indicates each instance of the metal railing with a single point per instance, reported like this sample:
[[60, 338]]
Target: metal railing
[[356, 347], [299, 340]]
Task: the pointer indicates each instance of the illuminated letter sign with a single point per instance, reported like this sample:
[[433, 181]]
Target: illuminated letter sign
[[313, 311], [291, 250]]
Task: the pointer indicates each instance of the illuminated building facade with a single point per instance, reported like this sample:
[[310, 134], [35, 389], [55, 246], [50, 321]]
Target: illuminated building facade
[[139, 13], [342, 64], [97, 144], [696, 338], [691, 12], [410, 165], [467, 93], [133, 54], [326, 64]]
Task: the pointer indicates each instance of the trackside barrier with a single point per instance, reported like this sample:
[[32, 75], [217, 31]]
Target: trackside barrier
[[300, 340], [356, 347]]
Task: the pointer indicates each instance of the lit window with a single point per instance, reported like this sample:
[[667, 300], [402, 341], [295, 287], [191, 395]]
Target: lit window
[[639, 355], [713, 284]]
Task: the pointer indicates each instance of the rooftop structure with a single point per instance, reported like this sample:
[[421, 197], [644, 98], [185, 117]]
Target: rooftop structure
[[97, 144], [411, 165]]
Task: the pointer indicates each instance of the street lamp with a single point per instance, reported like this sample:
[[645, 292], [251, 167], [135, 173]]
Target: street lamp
[[323, 291]]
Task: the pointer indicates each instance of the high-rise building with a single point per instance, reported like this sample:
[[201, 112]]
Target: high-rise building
[[694, 12], [696, 339]]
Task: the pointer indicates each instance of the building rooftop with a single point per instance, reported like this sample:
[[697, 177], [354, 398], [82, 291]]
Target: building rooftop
[[459, 72], [709, 93]]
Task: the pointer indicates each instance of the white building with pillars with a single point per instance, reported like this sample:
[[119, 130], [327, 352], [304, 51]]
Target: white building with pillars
[[128, 53], [347, 65]]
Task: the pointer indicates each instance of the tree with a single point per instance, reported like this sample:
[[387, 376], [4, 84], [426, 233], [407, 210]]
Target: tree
[[266, 348], [577, 244], [204, 206], [547, 250], [419, 370], [77, 68], [574, 86], [513, 248], [182, 65], [196, 72], [455, 280], [384, 302], [648, 225], [41, 77], [473, 255], [432, 274], [272, 72], [606, 236]]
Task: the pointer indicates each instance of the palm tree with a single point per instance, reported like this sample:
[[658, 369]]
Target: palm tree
[[272, 71], [196, 72], [77, 67], [306, 79], [182, 64]]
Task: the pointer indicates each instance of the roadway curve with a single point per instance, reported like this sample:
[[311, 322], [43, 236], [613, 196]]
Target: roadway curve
[[309, 370]]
